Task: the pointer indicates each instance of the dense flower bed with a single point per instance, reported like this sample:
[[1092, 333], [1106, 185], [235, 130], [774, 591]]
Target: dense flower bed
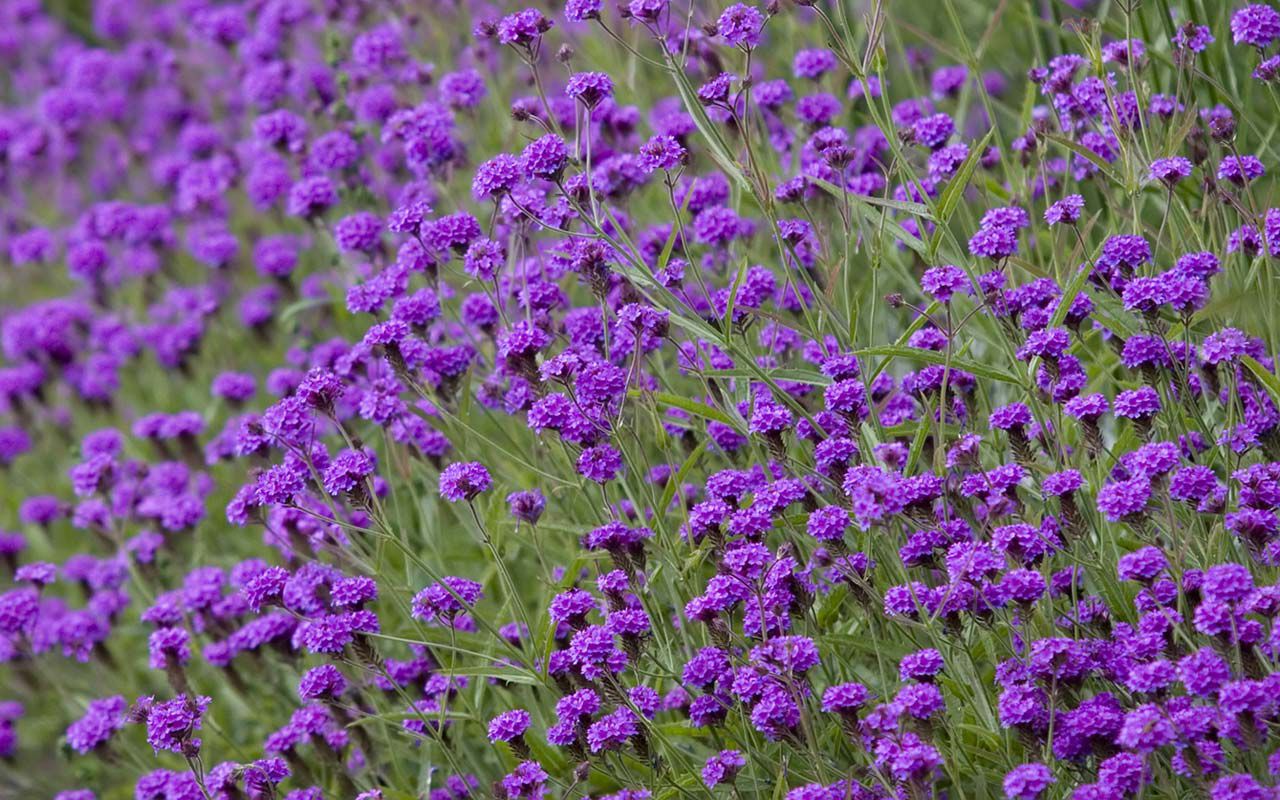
[[820, 401]]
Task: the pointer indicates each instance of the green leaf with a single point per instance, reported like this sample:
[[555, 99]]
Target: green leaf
[[665, 257], [678, 480], [951, 195], [727, 323], [916, 209], [793, 375], [1069, 296], [1268, 378], [830, 609], [509, 675], [716, 144], [934, 357], [692, 406], [682, 729], [1087, 155], [917, 446], [297, 307]]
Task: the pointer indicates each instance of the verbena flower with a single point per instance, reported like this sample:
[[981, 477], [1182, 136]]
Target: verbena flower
[[464, 481], [247, 272]]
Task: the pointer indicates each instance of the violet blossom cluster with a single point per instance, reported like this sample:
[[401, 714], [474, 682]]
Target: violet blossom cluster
[[768, 416]]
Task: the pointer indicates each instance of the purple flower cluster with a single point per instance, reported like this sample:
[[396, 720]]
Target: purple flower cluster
[[764, 476]]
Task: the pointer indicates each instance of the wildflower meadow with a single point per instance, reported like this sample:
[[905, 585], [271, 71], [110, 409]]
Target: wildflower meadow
[[639, 400]]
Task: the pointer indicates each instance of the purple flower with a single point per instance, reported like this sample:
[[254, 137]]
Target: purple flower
[[1062, 483], [496, 177], [527, 505], [845, 698], [311, 197], [1121, 499], [1257, 24], [941, 283], [663, 152], [1193, 38], [1140, 403], [1203, 672], [509, 725], [1240, 170], [1027, 781], [453, 232], [715, 92], [39, 573], [171, 725], [464, 481], [922, 665], [234, 386], [601, 463], [1146, 729], [722, 767], [995, 243], [353, 592], [612, 731], [589, 88], [1066, 211], [463, 89], [583, 10], [265, 587], [1086, 407], [523, 28], [1223, 346], [1170, 171], [545, 158], [1124, 52], [829, 523], [948, 81], [933, 131], [812, 64], [100, 722], [169, 648], [447, 602], [1227, 582], [647, 10], [1143, 565], [769, 417], [740, 25], [528, 780], [347, 471], [484, 259], [921, 700], [1012, 416], [1241, 786], [1005, 217], [322, 682], [1268, 69]]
